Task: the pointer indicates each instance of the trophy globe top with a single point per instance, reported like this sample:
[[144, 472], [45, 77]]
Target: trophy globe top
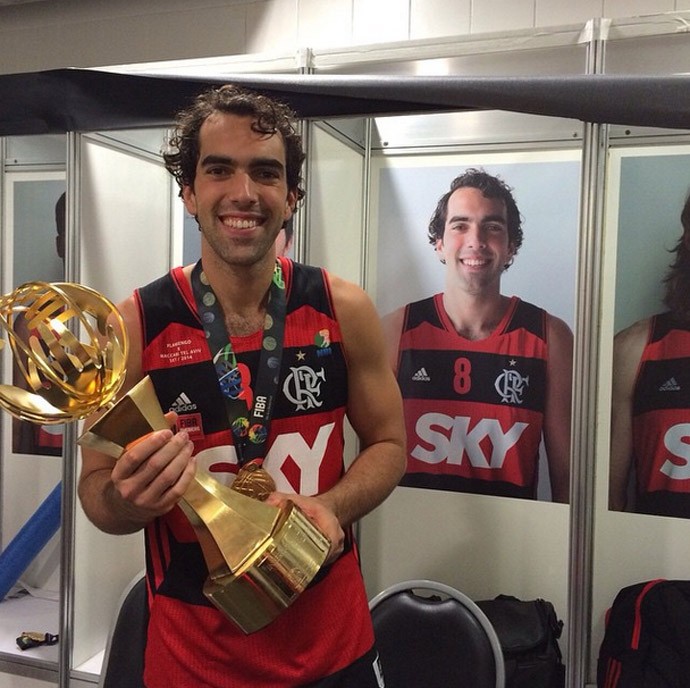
[[69, 345]]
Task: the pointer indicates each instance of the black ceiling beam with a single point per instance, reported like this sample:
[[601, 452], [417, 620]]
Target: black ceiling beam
[[64, 100]]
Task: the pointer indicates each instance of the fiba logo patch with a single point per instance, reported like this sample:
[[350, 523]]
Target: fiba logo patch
[[193, 424], [511, 386]]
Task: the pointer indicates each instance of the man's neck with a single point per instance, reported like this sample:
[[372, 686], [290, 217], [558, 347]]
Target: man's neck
[[242, 292], [475, 316]]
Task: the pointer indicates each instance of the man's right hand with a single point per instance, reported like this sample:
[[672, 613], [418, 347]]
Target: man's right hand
[[153, 473]]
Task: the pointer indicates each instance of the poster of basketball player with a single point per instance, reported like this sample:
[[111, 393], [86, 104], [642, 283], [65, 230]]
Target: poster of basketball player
[[476, 260]]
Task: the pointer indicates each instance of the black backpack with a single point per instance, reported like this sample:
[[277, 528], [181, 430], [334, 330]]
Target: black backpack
[[528, 631], [647, 638]]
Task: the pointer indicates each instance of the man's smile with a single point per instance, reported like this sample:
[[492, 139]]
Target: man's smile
[[240, 223], [474, 262]]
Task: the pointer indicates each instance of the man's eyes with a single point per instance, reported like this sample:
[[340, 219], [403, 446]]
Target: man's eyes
[[217, 171], [267, 173], [488, 227], [261, 174]]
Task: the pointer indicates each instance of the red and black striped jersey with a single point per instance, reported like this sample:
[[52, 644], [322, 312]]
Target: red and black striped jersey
[[473, 408], [661, 420], [190, 643]]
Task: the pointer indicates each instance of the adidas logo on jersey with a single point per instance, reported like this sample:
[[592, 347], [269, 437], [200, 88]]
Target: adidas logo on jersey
[[421, 376], [670, 386], [183, 404]]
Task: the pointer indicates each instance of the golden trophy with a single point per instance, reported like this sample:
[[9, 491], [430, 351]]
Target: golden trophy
[[70, 345], [66, 378]]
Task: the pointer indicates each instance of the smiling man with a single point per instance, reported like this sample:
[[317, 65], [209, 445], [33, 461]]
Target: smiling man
[[259, 360], [484, 377]]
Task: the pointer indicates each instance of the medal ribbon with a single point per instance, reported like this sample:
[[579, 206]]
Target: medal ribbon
[[249, 433]]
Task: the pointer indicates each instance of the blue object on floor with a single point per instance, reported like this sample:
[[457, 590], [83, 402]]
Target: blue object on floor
[[30, 540]]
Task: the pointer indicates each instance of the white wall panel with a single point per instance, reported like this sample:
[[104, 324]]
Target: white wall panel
[[636, 8], [271, 26], [431, 18], [125, 223], [74, 33], [335, 202], [324, 23], [125, 219], [383, 20], [501, 15], [549, 13]]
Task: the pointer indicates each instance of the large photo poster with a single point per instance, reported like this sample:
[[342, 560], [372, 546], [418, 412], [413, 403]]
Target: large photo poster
[[650, 430], [475, 282]]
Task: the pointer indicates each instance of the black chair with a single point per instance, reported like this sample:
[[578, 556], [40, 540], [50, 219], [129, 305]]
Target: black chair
[[437, 640], [123, 663]]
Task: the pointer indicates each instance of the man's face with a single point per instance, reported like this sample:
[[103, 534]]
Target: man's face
[[240, 195], [475, 244]]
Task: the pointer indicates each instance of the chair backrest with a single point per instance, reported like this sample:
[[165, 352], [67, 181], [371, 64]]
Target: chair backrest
[[123, 663], [437, 640]]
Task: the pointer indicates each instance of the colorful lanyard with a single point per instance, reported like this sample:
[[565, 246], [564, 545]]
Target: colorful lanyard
[[250, 433]]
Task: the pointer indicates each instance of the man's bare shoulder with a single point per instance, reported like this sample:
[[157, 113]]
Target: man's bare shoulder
[[558, 328], [635, 331], [129, 310], [348, 297], [628, 346], [633, 338]]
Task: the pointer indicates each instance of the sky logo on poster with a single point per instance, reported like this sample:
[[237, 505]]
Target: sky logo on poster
[[458, 440]]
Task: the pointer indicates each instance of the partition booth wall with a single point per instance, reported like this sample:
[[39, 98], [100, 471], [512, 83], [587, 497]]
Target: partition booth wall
[[600, 207]]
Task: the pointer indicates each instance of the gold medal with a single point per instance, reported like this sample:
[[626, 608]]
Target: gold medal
[[254, 481]]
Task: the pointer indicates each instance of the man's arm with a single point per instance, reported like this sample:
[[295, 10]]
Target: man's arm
[[149, 478], [627, 352], [559, 373], [374, 408], [375, 412]]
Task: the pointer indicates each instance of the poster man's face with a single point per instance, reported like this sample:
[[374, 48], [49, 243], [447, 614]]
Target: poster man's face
[[475, 245]]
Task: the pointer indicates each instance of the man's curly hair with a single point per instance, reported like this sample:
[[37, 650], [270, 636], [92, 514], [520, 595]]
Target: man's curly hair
[[270, 117], [677, 280]]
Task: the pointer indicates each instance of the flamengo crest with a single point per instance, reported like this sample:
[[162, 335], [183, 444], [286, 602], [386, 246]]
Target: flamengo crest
[[303, 387]]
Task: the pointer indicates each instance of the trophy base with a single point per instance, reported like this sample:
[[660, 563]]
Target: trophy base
[[274, 576]]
